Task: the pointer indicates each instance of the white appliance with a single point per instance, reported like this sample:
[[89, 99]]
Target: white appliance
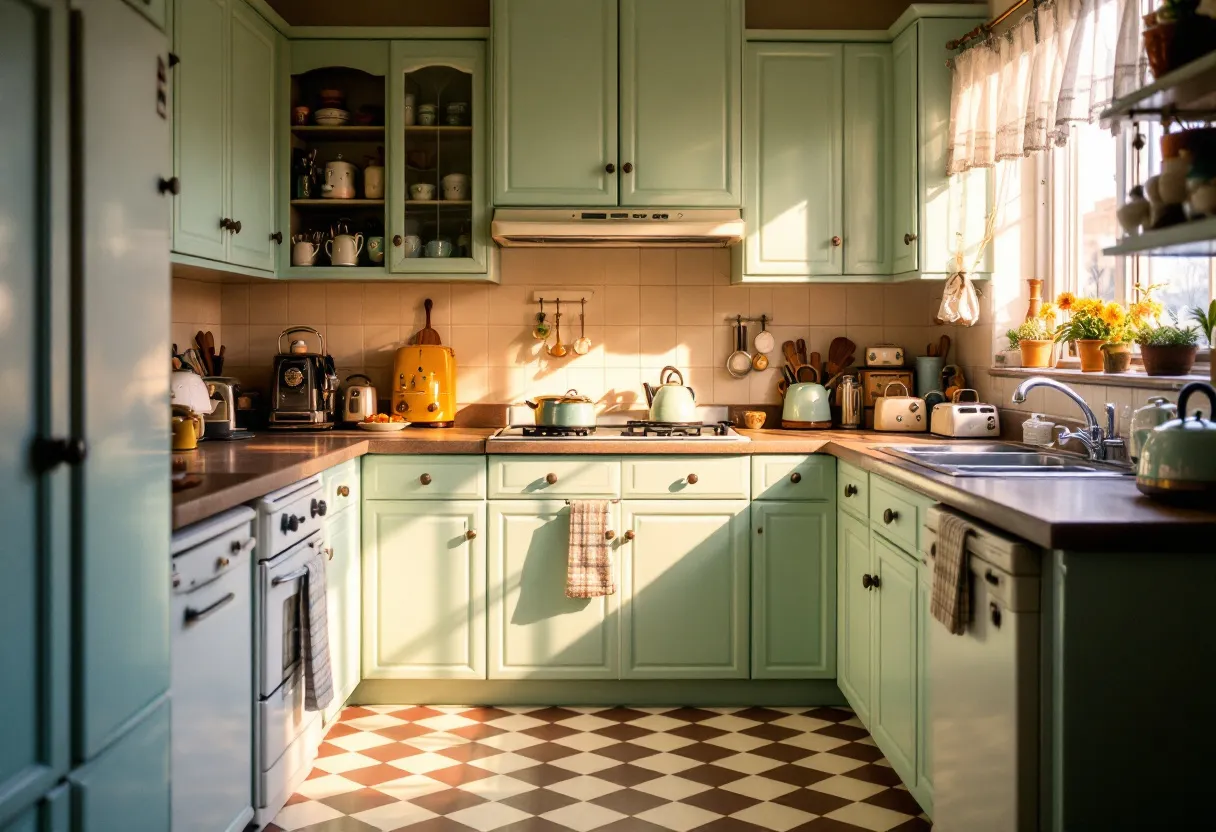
[[286, 736], [618, 227], [965, 420], [984, 690], [884, 355], [211, 684], [629, 426]]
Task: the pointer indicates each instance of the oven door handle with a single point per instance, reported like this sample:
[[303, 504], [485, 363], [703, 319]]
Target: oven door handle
[[195, 616], [302, 572]]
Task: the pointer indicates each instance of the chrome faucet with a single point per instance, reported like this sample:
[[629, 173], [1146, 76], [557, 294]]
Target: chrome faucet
[[1100, 445]]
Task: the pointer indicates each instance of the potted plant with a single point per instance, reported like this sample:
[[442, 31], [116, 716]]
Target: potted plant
[[1168, 349], [1034, 342], [1091, 324], [1207, 325], [1177, 33]]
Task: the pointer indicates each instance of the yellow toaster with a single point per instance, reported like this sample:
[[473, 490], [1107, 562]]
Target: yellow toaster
[[424, 385]]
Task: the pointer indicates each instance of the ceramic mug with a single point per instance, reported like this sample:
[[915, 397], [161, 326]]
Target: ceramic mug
[[456, 186], [344, 249], [439, 248], [304, 253], [375, 249], [422, 191], [754, 419], [373, 182], [413, 245], [300, 115], [187, 428]]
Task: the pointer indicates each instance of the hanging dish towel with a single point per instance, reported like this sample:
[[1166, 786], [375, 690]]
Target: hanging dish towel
[[314, 637], [951, 602], [960, 302], [589, 564]]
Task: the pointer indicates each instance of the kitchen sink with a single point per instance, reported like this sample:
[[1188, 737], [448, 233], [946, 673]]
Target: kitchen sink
[[1002, 459]]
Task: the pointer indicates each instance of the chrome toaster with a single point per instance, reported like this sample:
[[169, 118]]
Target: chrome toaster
[[965, 420]]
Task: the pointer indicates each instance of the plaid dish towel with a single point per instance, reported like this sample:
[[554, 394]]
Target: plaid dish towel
[[314, 637], [951, 602], [589, 565]]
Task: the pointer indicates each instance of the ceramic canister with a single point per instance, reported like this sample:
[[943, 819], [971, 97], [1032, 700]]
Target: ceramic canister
[[373, 182], [456, 186]]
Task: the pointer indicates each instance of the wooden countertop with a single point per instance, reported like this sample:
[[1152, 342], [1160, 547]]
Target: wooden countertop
[[1075, 514]]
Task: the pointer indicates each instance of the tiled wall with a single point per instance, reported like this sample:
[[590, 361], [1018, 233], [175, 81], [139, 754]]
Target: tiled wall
[[650, 307], [196, 307]]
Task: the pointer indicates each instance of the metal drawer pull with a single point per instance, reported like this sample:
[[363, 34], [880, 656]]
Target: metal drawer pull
[[850, 490], [629, 535], [609, 535], [425, 479], [470, 534], [195, 616], [693, 479], [551, 479], [302, 572], [890, 516], [867, 581], [795, 478], [241, 546], [991, 578]]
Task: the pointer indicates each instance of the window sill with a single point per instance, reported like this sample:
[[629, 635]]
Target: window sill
[[1132, 378]]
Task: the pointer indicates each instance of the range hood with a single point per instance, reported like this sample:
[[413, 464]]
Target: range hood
[[617, 227]]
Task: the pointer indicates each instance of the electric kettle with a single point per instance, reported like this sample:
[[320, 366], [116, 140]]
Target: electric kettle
[[359, 402], [1178, 459], [808, 406]]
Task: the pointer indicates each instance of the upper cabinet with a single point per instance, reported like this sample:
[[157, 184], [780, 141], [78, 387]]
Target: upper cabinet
[[558, 66], [223, 134], [867, 239], [905, 219]]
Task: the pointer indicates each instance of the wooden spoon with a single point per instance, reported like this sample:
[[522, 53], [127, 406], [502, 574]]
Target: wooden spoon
[[802, 358], [816, 362], [840, 354], [791, 353], [943, 347], [426, 335]]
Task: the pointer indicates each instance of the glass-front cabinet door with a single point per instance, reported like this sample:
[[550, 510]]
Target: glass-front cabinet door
[[438, 195]]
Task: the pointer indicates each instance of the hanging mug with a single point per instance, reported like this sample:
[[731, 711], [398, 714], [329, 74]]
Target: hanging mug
[[304, 253], [343, 250]]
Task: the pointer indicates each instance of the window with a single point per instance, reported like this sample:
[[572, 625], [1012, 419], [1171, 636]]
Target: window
[[1090, 178]]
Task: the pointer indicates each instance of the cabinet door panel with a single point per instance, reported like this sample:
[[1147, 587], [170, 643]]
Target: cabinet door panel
[[855, 662], [424, 588], [343, 605], [924, 745], [251, 170], [35, 601], [200, 118], [680, 90], [126, 788], [793, 591], [793, 121], [685, 589], [536, 632], [905, 226], [894, 706], [867, 158], [555, 102]]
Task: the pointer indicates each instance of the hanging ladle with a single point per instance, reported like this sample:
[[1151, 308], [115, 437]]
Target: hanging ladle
[[558, 350], [583, 345]]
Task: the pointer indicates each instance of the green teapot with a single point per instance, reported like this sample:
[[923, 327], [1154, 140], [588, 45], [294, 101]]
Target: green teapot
[[1178, 460]]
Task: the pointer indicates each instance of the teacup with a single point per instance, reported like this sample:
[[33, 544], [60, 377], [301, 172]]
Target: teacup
[[413, 245], [375, 249], [304, 253], [439, 248], [754, 419], [422, 191]]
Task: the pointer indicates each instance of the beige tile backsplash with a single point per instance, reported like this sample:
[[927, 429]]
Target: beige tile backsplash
[[651, 307]]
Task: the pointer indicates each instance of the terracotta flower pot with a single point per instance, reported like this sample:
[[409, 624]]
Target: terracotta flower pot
[[1116, 358], [1172, 43], [1089, 352], [1168, 361], [1035, 353]]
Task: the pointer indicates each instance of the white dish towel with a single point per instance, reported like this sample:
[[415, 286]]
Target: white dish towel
[[314, 637]]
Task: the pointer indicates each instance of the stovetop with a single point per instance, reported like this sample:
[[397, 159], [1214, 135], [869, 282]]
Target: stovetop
[[635, 430]]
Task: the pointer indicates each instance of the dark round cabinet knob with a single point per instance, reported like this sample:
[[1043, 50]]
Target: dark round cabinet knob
[[551, 479], [627, 167], [610, 168], [867, 581], [795, 478], [889, 516], [932, 550], [236, 227], [875, 582], [693, 479], [397, 240], [850, 490], [836, 241], [425, 479], [173, 185], [909, 239], [609, 535], [630, 535], [226, 223], [277, 237], [470, 534]]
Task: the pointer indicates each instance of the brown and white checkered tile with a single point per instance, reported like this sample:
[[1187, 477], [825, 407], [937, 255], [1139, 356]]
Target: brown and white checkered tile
[[546, 769]]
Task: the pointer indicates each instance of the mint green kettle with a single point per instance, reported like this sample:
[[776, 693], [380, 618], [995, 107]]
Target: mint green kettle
[[671, 401], [1178, 460]]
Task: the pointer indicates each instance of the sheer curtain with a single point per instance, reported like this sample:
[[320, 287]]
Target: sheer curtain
[[1017, 92]]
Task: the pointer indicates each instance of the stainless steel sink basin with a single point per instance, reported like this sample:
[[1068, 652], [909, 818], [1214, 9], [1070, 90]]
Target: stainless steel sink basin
[[1002, 459]]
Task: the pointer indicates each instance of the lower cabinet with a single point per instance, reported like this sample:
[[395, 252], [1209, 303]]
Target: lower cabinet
[[424, 589], [923, 790], [113, 791], [893, 710], [684, 586], [536, 632], [343, 604], [793, 593], [855, 669], [53, 813]]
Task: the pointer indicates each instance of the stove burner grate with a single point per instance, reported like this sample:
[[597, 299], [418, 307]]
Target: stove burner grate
[[552, 431], [674, 429]]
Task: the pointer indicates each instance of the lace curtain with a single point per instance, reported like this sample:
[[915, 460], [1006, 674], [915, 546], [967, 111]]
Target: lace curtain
[[1017, 92]]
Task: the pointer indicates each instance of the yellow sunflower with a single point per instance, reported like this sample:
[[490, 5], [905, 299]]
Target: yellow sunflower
[[1087, 306], [1048, 311], [1113, 315], [1065, 301]]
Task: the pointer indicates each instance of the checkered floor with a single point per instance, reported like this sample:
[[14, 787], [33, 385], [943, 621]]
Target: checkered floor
[[443, 769]]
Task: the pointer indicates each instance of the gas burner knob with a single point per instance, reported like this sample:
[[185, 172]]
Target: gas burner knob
[[284, 522], [293, 523], [318, 508], [324, 508]]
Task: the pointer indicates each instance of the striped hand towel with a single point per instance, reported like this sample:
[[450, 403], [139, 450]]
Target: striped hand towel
[[314, 637], [951, 601], [589, 564]]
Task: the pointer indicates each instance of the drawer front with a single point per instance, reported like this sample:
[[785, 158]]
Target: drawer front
[[686, 477], [549, 477], [853, 489], [341, 486], [391, 477], [797, 477], [894, 513]]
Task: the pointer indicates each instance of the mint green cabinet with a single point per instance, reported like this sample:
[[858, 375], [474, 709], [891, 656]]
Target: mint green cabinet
[[793, 548], [343, 604], [680, 89], [793, 143], [894, 708], [903, 198], [53, 813], [684, 589], [854, 632], [867, 159], [126, 788], [424, 589], [555, 102], [923, 788], [535, 631]]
